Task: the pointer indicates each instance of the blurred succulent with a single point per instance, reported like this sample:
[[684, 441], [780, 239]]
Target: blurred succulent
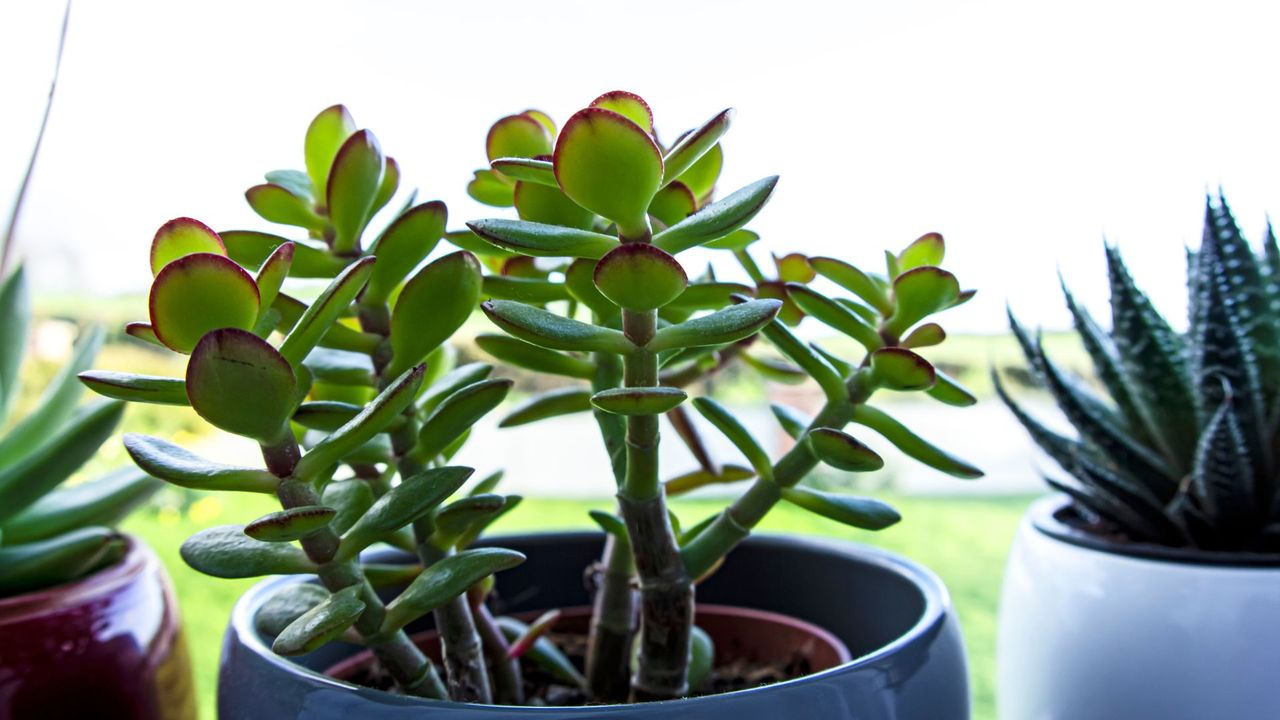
[[604, 210], [1181, 450], [50, 534], [360, 377]]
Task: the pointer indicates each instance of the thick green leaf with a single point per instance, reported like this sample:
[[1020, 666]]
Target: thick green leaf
[[842, 451], [1107, 365], [286, 605], [913, 445], [543, 204], [579, 280], [527, 290], [541, 240], [701, 478], [251, 248], [181, 237], [353, 185], [271, 276], [142, 331], [375, 418], [295, 181], [926, 335], [405, 243], [827, 377], [56, 457], [55, 405], [527, 170], [553, 403], [225, 551], [451, 382], [461, 516], [290, 524], [673, 203], [835, 315], [60, 559], [321, 624], [918, 294], [701, 177], [928, 249], [103, 501], [531, 357], [702, 657], [728, 425], [403, 504], [326, 415], [736, 240], [723, 326], [517, 136], [640, 277], [859, 512], [456, 414], [490, 188], [351, 498], [276, 204], [629, 105], [639, 400], [435, 302], [708, 295], [855, 281], [610, 166], [239, 383], [322, 314], [717, 219], [445, 580], [136, 388], [948, 390], [387, 188], [328, 131], [199, 293], [793, 422], [340, 367], [1223, 479], [183, 468], [338, 336], [553, 331], [900, 369], [694, 145]]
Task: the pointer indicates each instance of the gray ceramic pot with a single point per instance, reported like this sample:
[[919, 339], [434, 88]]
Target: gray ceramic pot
[[895, 616]]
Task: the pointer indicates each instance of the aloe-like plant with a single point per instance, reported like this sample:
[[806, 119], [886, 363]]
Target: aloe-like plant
[[1181, 449], [606, 209], [360, 377], [51, 534]]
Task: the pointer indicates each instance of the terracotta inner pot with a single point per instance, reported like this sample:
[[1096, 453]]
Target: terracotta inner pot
[[740, 635]]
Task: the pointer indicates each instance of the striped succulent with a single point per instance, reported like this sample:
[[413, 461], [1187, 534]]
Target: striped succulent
[[1183, 452]]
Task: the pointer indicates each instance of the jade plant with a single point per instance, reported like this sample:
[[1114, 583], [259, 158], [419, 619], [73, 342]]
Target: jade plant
[[587, 284], [52, 533], [353, 402], [1175, 443], [357, 411]]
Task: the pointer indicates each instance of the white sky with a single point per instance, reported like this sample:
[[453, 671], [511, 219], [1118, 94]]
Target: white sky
[[1023, 131]]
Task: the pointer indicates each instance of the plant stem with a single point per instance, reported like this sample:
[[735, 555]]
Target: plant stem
[[736, 521], [508, 681], [412, 671], [460, 647], [666, 590]]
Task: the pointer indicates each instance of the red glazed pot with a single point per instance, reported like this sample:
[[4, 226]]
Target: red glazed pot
[[106, 646], [738, 634]]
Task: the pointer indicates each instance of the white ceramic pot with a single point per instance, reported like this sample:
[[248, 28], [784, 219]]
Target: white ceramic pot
[[1088, 632]]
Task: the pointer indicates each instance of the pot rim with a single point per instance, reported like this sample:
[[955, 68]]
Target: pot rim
[[1047, 515], [104, 581], [936, 601]]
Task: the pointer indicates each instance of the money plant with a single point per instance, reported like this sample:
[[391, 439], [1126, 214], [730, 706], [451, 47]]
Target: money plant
[[350, 395], [1175, 443], [589, 284], [50, 532]]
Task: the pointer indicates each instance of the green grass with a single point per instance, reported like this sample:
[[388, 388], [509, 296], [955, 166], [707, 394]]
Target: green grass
[[964, 540]]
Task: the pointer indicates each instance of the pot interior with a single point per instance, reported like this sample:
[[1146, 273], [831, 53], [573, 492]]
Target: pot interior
[[866, 602]]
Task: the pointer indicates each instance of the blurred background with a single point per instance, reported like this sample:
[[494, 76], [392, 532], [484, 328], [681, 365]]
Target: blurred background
[[1025, 132]]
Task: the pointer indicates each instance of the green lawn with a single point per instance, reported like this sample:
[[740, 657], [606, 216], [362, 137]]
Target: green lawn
[[964, 540]]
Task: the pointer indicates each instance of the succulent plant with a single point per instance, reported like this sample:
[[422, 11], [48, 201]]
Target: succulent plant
[[360, 378], [49, 533], [605, 209], [1177, 447]]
